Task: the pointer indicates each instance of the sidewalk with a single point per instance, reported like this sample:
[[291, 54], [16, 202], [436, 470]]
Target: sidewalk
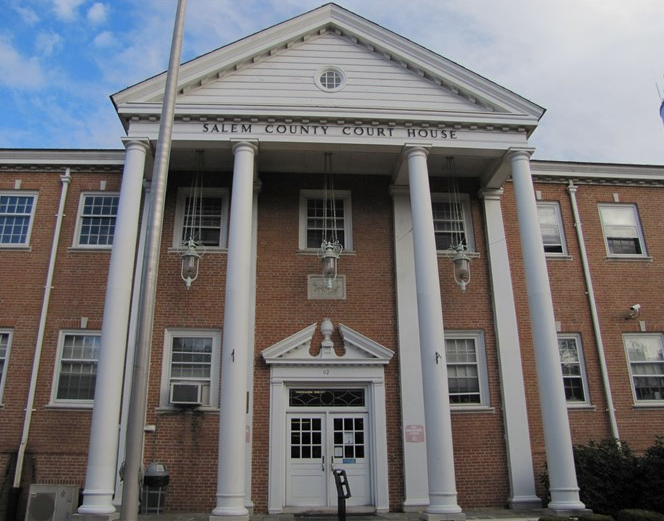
[[471, 515]]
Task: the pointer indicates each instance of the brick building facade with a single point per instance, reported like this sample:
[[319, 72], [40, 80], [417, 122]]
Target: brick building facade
[[544, 347]]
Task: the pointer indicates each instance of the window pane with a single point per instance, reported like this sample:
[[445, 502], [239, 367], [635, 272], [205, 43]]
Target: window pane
[[573, 376], [15, 215], [621, 229], [646, 359], [321, 216], [449, 224], [78, 367], [203, 220], [463, 372]]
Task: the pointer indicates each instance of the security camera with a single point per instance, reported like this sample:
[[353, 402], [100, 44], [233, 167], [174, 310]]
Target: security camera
[[634, 311]]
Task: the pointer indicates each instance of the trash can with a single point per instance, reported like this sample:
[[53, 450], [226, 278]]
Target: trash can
[[155, 487]]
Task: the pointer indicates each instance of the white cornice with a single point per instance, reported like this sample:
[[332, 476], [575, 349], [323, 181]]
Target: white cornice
[[64, 157]]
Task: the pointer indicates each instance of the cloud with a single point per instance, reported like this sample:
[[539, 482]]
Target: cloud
[[105, 39], [98, 13], [28, 16], [31, 76], [66, 9], [47, 43]]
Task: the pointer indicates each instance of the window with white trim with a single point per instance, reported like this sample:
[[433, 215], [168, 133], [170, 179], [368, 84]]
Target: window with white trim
[[76, 369], [551, 225], [97, 213], [5, 346], [192, 357], [574, 373], [204, 220], [17, 210], [313, 221], [452, 223], [622, 230], [645, 354], [466, 369]]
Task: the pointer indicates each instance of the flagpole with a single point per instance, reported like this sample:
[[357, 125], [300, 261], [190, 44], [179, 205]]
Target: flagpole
[[146, 303]]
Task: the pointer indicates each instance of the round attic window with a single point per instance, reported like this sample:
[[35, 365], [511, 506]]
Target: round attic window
[[330, 79]]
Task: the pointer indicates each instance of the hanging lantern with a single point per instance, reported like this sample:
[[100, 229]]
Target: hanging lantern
[[331, 248], [190, 261], [192, 247], [461, 263]]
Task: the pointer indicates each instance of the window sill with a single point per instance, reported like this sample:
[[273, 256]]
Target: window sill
[[309, 251], [580, 407], [470, 409], [450, 254], [642, 258], [208, 249], [91, 249], [649, 405], [10, 247], [558, 256], [71, 406], [166, 409]]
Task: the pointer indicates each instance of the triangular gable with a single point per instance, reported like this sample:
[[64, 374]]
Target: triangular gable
[[287, 79], [447, 76], [358, 350]]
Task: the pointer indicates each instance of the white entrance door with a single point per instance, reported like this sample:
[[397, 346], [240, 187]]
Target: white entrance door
[[318, 443]]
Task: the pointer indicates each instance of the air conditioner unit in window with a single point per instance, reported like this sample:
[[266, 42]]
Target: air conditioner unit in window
[[186, 393], [52, 502]]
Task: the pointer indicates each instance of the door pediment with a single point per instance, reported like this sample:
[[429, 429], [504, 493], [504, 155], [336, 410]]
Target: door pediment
[[358, 350]]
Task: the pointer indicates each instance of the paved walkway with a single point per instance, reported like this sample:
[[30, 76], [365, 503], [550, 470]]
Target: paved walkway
[[477, 515]]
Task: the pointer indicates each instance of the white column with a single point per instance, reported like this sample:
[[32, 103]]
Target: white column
[[101, 470], [236, 342], [416, 489], [438, 428], [557, 438], [515, 414]]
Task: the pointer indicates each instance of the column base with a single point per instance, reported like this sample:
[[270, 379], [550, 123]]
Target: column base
[[229, 518], [460, 516], [524, 503], [567, 512], [96, 517]]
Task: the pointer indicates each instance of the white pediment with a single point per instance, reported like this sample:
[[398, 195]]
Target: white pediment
[[357, 350], [271, 73]]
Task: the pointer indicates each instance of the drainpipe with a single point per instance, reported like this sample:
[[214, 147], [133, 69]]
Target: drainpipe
[[16, 489], [593, 312]]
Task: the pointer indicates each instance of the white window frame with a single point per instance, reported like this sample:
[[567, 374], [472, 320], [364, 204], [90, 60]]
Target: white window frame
[[555, 206], [464, 202], [180, 209], [482, 376], [636, 225], [211, 394], [580, 362], [69, 402], [31, 217], [342, 195], [4, 358], [82, 216], [658, 343]]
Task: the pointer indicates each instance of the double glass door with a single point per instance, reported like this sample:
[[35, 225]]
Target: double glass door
[[318, 443]]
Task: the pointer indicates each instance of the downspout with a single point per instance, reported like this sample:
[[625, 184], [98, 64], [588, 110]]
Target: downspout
[[66, 179], [593, 312]]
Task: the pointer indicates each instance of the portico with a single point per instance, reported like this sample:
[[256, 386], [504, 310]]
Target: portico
[[264, 151]]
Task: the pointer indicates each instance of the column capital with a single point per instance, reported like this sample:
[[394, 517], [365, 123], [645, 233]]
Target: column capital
[[490, 194], [410, 149], [244, 144], [131, 142], [520, 153]]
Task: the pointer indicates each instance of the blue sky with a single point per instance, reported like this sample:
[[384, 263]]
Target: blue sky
[[593, 64]]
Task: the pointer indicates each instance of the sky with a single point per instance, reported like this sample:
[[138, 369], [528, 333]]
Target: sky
[[596, 66]]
